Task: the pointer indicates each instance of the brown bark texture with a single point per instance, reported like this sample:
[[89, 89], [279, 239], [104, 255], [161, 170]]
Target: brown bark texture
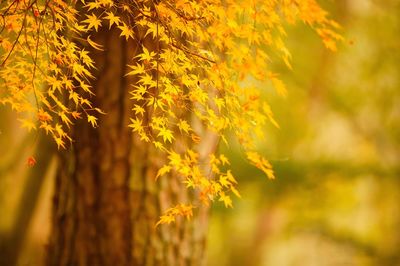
[[107, 201]]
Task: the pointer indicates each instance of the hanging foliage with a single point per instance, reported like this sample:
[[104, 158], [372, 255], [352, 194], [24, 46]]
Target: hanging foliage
[[203, 58]]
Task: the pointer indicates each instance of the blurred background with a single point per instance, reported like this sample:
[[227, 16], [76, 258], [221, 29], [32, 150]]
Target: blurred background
[[336, 197]]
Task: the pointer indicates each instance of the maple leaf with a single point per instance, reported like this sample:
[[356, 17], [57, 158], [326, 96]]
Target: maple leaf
[[226, 200], [76, 115], [261, 163], [94, 45], [31, 161], [185, 210], [47, 127], [99, 111], [65, 119], [59, 142], [93, 5], [223, 180], [174, 159], [159, 145], [195, 138], [189, 183], [138, 109], [112, 19], [166, 134], [136, 124], [27, 124], [165, 219], [146, 55], [92, 120], [92, 21], [223, 159], [163, 170], [184, 126], [126, 31], [44, 116], [137, 69], [278, 84]]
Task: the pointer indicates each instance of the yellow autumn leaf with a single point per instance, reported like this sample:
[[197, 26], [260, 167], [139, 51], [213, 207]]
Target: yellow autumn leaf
[[146, 55], [94, 45], [261, 163], [226, 200], [92, 120], [163, 170], [112, 19], [126, 31], [136, 124], [166, 134], [92, 21], [59, 142], [184, 126], [27, 124]]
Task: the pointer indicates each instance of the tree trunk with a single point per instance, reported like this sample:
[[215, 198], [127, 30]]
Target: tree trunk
[[107, 201]]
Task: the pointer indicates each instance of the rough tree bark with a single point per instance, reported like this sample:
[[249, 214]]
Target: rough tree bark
[[106, 199]]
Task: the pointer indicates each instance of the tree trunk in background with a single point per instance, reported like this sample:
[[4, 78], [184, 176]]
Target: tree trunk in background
[[107, 201]]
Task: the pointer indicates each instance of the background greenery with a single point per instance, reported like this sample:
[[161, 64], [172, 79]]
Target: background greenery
[[337, 157]]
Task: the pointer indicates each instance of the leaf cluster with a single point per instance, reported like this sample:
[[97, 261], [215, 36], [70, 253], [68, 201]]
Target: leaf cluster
[[198, 63]]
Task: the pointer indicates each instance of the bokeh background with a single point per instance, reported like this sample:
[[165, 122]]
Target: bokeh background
[[336, 197]]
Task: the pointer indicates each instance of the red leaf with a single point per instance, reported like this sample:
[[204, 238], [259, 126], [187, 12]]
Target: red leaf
[[31, 161]]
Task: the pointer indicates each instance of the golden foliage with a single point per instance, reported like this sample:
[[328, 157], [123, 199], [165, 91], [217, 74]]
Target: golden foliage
[[205, 60]]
